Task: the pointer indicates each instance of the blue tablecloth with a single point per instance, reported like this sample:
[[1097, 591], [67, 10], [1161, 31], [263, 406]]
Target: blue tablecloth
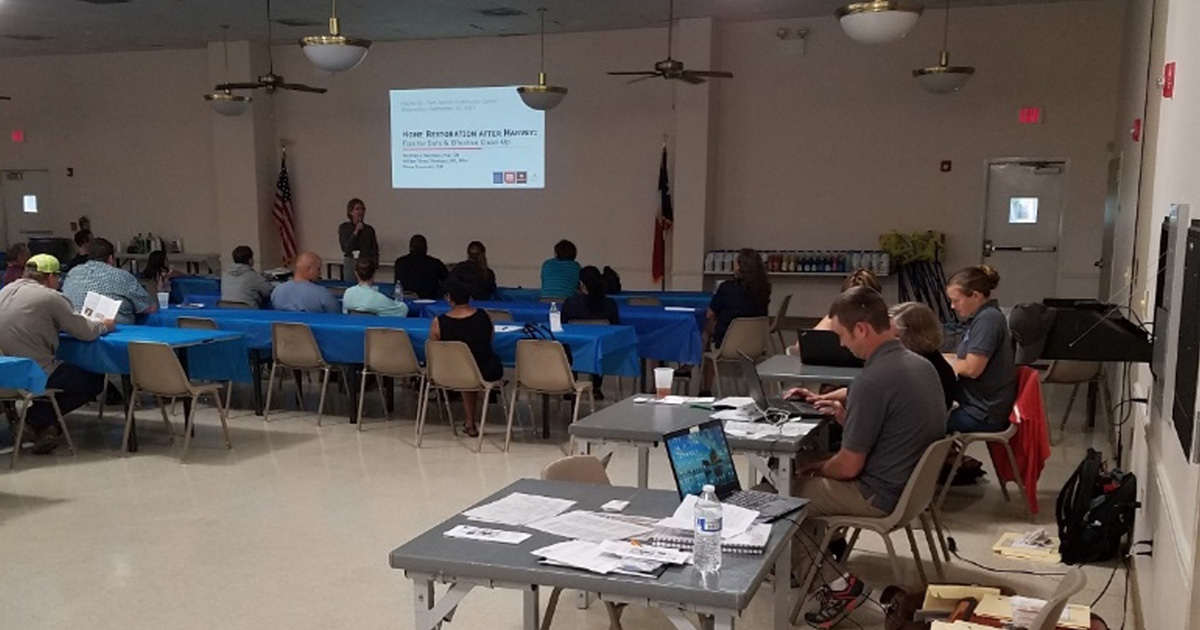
[[661, 334], [211, 355], [594, 349], [689, 299], [23, 374]]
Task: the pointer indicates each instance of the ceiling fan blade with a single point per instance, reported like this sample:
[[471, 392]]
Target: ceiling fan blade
[[5, 98], [300, 87], [715, 74], [689, 77], [237, 86], [640, 79], [636, 72]]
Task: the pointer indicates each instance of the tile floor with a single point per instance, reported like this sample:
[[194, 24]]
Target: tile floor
[[291, 528]]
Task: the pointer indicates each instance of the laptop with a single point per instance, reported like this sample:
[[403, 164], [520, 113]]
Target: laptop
[[701, 455], [763, 403], [822, 347]]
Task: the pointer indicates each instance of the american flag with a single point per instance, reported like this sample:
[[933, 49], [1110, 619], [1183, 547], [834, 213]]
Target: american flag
[[285, 217]]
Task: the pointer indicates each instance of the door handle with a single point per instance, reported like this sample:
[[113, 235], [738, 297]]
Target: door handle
[[988, 247]]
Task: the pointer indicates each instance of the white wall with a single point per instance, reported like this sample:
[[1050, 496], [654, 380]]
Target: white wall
[[134, 128]]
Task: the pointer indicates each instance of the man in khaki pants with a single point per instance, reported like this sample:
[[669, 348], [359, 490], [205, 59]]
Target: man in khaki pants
[[891, 414]]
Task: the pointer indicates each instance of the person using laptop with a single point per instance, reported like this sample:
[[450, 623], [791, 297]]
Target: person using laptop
[[894, 411]]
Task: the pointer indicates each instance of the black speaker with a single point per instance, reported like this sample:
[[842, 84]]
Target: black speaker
[[1187, 357]]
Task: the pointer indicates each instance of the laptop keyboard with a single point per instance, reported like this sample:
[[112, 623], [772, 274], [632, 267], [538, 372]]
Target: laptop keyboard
[[751, 500]]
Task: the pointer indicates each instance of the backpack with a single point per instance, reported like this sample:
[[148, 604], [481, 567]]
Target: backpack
[[1095, 511], [612, 280]]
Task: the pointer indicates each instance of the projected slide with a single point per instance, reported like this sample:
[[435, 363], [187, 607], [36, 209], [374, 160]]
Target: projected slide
[[466, 138]]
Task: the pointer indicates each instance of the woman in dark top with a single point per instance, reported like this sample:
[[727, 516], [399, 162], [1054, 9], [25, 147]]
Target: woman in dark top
[[592, 302], [474, 273], [985, 361], [156, 277], [747, 295], [356, 238], [473, 327]]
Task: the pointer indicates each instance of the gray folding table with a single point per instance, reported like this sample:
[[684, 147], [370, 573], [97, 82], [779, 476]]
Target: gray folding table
[[643, 426], [432, 558], [786, 367]]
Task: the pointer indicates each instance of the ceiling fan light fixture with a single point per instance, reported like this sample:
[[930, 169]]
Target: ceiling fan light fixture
[[334, 52], [878, 21], [542, 97], [227, 103]]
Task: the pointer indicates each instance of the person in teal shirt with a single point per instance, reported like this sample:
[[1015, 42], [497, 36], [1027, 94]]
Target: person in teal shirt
[[560, 275], [366, 297]]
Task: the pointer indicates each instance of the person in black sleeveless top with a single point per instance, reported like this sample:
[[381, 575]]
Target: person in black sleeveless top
[[473, 327]]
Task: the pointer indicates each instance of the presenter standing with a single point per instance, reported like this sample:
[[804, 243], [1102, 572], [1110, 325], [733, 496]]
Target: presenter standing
[[356, 238]]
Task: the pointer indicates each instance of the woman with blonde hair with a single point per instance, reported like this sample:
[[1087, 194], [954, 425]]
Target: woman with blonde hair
[[984, 362]]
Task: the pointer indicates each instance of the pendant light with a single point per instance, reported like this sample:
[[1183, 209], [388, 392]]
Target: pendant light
[[944, 78], [225, 102], [334, 52], [878, 21], [541, 96]]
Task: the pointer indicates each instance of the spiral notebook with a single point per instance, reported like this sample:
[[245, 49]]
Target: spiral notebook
[[752, 541]]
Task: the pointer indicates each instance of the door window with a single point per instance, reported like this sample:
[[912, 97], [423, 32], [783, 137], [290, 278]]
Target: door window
[[1022, 210]]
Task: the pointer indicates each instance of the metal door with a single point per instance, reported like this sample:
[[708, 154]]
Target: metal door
[[1021, 227], [24, 196]]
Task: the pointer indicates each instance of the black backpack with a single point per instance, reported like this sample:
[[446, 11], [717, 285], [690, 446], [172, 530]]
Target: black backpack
[[1095, 511]]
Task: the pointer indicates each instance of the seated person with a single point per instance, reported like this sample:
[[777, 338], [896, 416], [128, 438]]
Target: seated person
[[916, 326], [418, 272], [34, 313], [82, 238], [893, 412], [100, 274], [302, 293], [560, 275], [474, 273], [365, 296], [592, 302], [156, 277], [241, 283], [860, 277], [747, 295], [985, 361], [14, 268], [473, 327]]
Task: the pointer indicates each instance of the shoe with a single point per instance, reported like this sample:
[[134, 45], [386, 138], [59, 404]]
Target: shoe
[[598, 394], [46, 442], [471, 431], [837, 605], [112, 396]]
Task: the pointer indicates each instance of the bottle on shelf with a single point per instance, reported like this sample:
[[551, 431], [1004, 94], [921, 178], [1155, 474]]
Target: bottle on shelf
[[706, 547]]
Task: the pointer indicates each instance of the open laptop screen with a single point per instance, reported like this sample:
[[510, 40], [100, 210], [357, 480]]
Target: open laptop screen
[[701, 455]]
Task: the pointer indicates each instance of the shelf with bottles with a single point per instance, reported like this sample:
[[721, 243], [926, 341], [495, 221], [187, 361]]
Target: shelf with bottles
[[808, 262]]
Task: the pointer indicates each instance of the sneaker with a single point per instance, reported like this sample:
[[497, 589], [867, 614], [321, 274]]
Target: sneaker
[[47, 441], [837, 605]]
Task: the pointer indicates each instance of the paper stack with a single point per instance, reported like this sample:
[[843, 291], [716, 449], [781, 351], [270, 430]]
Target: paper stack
[[99, 308], [1034, 545], [611, 557], [519, 509], [941, 599], [589, 526], [1022, 610], [734, 519]]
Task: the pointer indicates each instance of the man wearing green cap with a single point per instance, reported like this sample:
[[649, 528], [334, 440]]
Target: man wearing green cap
[[34, 313]]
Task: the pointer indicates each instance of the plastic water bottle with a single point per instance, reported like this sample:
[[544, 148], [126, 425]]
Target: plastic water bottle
[[555, 318], [398, 291], [707, 548]]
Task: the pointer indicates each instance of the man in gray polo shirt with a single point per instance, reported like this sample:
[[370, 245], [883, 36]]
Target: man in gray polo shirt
[[893, 412]]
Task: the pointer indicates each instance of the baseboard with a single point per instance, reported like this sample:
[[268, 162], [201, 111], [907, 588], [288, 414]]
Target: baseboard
[[1135, 592]]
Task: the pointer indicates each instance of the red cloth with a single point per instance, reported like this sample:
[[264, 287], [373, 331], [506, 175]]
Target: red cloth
[[1031, 444]]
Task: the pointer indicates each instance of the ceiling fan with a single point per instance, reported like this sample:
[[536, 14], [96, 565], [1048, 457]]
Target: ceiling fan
[[270, 81], [670, 68]]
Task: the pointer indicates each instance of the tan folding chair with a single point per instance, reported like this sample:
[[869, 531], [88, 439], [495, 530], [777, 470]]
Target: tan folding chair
[[204, 323], [645, 301], [746, 335], [498, 315], [388, 352], [1048, 617], [22, 400], [543, 368], [235, 304], [579, 469], [293, 347], [913, 505], [450, 367], [1073, 373], [776, 330], [155, 369]]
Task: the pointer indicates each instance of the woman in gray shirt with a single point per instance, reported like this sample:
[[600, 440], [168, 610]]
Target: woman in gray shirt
[[984, 361]]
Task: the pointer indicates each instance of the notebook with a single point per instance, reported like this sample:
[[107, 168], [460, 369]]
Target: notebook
[[700, 455], [752, 541], [822, 347]]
